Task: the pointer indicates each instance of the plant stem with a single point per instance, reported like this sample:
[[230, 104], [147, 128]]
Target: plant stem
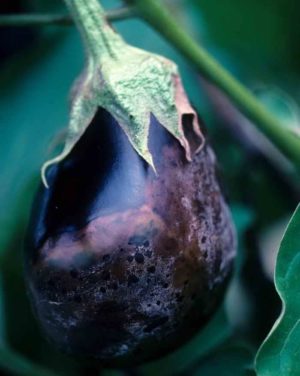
[[58, 19], [98, 36], [158, 16]]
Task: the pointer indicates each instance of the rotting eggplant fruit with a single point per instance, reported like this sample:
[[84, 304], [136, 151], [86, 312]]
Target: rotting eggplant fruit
[[124, 263], [129, 250]]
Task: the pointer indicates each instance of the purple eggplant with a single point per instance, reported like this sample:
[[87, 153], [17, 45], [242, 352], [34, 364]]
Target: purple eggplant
[[124, 263]]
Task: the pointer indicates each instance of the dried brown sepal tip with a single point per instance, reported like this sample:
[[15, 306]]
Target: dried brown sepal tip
[[193, 139]]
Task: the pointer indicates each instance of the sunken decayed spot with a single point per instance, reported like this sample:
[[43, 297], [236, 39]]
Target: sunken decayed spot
[[124, 264]]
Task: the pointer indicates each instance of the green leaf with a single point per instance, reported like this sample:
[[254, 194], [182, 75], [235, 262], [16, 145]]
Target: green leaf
[[280, 353]]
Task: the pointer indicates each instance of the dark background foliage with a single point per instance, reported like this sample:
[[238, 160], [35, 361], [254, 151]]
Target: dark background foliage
[[258, 41]]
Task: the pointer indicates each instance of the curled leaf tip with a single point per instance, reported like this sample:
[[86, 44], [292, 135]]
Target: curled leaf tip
[[51, 162], [192, 137], [43, 175]]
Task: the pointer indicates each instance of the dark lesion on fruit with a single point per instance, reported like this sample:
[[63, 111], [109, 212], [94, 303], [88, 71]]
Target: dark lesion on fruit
[[128, 276]]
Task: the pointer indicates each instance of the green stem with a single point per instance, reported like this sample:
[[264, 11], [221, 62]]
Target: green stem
[[58, 19], [97, 34], [158, 16]]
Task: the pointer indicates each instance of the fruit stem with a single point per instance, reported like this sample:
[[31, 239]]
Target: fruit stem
[[159, 17], [98, 36]]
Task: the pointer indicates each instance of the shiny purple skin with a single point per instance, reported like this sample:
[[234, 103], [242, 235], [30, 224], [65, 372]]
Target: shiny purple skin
[[123, 265]]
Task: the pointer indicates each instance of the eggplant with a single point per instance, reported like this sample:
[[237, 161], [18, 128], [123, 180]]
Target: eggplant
[[125, 263]]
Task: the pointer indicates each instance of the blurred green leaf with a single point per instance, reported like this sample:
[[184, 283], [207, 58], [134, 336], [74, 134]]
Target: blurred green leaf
[[232, 358], [33, 107], [261, 35], [18, 365], [280, 353], [243, 217], [282, 105]]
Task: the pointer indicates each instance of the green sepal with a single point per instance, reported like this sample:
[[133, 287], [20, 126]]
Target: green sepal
[[131, 84]]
